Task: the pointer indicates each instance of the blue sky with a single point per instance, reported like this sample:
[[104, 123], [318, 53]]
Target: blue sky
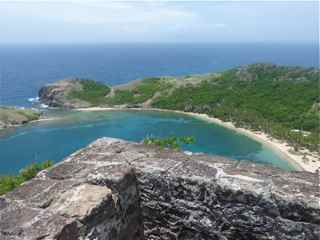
[[85, 21]]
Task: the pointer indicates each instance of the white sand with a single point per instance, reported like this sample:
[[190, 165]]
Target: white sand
[[303, 160], [45, 119]]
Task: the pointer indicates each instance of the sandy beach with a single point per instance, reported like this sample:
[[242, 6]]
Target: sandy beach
[[303, 160]]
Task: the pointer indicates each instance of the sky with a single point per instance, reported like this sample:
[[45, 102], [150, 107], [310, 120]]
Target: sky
[[90, 21]]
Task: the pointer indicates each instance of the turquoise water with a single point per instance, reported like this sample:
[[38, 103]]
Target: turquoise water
[[24, 69], [54, 140]]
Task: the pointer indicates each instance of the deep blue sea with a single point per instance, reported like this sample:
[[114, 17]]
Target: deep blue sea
[[24, 69]]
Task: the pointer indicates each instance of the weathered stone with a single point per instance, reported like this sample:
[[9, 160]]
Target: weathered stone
[[80, 201], [22, 222], [119, 190], [40, 192]]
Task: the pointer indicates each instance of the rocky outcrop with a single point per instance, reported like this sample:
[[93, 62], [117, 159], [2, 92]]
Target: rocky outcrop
[[115, 189], [11, 117], [58, 94]]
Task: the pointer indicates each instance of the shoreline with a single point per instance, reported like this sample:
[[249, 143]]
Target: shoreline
[[30, 122], [301, 161]]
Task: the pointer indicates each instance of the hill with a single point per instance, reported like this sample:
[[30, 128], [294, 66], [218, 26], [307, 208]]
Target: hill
[[279, 100], [74, 93], [282, 101]]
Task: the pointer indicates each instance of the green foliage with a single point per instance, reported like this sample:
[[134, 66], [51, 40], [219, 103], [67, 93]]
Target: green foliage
[[141, 93], [92, 92], [8, 183], [9, 114], [31, 115], [273, 99], [121, 97], [172, 142], [265, 97]]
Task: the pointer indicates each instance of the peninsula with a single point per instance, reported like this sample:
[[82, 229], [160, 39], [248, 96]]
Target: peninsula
[[11, 117], [278, 105]]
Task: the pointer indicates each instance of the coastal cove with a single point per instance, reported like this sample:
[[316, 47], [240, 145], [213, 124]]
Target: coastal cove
[[70, 130], [240, 113], [159, 120], [301, 161]]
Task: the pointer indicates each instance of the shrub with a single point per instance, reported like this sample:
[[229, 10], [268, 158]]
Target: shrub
[[171, 142], [8, 183], [92, 92]]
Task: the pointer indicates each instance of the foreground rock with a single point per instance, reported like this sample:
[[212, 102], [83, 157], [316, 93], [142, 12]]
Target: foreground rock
[[120, 190], [11, 117]]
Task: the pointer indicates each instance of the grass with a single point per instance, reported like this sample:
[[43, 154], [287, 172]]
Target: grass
[[144, 91], [29, 114], [9, 183], [15, 115]]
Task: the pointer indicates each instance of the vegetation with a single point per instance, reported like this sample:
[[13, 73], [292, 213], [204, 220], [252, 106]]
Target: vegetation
[[281, 101], [13, 116], [144, 91], [276, 100], [172, 142], [31, 115], [8, 183], [92, 92]]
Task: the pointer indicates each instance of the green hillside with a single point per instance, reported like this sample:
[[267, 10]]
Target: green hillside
[[282, 101]]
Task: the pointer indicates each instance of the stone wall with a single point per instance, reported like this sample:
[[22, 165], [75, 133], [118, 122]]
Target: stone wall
[[120, 190]]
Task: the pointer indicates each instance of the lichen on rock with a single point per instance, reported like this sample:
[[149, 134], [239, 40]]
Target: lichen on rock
[[115, 189]]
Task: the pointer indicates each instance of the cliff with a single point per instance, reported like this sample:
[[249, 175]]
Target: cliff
[[115, 189], [11, 117], [74, 93]]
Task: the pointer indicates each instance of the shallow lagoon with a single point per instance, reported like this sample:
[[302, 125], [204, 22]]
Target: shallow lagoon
[[56, 139]]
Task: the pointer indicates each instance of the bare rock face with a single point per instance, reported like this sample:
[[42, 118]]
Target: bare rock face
[[115, 189], [57, 94]]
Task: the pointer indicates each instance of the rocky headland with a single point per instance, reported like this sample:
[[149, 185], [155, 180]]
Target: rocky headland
[[73, 93], [12, 117], [119, 190]]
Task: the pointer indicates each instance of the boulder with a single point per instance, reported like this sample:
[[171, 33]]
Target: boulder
[[114, 189]]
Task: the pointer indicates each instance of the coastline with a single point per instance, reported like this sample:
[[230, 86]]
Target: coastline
[[33, 121], [301, 161]]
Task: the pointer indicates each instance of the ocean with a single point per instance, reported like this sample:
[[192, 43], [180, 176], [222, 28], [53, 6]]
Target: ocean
[[24, 69]]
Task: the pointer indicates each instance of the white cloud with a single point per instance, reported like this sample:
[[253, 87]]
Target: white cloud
[[99, 13], [112, 18], [219, 25], [101, 21]]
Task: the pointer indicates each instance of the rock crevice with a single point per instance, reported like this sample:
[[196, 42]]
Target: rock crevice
[[115, 189]]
